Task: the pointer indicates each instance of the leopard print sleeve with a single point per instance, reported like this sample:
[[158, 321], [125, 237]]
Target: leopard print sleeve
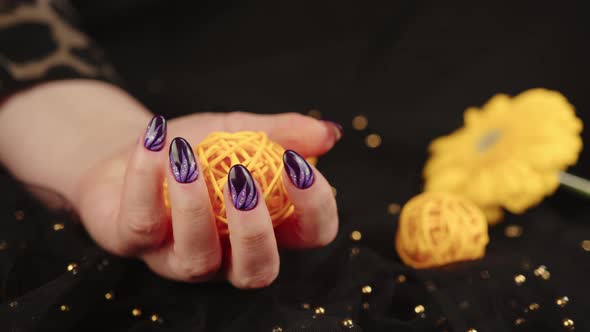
[[38, 44]]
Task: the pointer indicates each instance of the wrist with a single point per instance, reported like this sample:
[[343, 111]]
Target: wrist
[[52, 134]]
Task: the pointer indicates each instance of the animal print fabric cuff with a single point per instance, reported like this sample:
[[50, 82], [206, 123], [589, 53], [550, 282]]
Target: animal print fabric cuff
[[39, 44]]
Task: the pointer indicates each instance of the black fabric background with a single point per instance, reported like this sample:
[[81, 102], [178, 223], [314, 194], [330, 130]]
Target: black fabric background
[[411, 67]]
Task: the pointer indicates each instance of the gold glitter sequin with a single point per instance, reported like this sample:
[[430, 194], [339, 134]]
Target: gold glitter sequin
[[542, 272], [109, 295], [513, 231], [400, 279], [568, 323], [156, 318], [534, 306], [315, 113], [356, 236], [393, 208], [277, 329], [562, 301], [471, 330], [305, 306], [354, 251], [519, 279], [366, 305], [58, 226], [366, 289], [586, 245], [64, 307], [519, 321], [360, 122], [3, 245], [19, 215], [136, 312], [319, 311], [348, 323], [373, 140], [419, 309], [73, 268]]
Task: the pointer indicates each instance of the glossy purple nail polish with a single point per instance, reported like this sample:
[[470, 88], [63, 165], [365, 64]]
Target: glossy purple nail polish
[[338, 129], [242, 189], [155, 134], [300, 173], [182, 161]]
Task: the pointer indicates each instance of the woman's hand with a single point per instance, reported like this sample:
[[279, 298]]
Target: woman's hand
[[119, 192]]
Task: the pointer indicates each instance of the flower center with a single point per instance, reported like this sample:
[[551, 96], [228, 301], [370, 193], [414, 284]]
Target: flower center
[[488, 140]]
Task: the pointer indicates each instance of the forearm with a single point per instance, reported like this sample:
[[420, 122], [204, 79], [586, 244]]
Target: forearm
[[52, 134]]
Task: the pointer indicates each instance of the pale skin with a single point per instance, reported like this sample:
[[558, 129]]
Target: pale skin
[[84, 140]]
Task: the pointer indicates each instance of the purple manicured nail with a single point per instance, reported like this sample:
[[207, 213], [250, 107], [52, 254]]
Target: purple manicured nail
[[242, 189], [182, 161], [155, 134], [299, 171], [337, 128]]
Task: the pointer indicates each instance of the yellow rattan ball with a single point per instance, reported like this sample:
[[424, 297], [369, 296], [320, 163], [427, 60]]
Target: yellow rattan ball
[[263, 158], [440, 228]]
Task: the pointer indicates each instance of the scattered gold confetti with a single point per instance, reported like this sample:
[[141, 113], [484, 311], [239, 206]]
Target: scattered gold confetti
[[419, 309], [471, 330], [366, 305], [355, 251], [393, 208], [136, 312], [348, 323], [534, 306], [305, 306], [562, 301], [3, 245], [72, 266], [64, 307], [568, 323], [542, 272], [519, 321], [519, 279], [373, 140], [356, 236], [58, 227], [400, 279], [513, 231], [586, 245], [19, 215], [360, 122], [319, 311], [109, 295], [485, 274], [367, 289], [277, 329], [315, 113], [156, 318]]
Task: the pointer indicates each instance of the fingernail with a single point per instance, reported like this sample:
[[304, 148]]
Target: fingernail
[[336, 128], [299, 171], [242, 189], [155, 134], [182, 161]]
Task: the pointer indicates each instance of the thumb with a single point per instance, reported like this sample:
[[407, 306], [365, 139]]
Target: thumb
[[307, 135]]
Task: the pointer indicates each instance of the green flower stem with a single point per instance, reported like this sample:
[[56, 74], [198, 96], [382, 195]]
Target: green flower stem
[[575, 183]]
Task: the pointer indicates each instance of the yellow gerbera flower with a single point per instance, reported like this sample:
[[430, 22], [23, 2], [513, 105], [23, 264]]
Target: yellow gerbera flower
[[508, 154]]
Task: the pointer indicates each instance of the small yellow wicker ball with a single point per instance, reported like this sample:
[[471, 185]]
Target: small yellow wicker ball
[[263, 158], [438, 228]]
